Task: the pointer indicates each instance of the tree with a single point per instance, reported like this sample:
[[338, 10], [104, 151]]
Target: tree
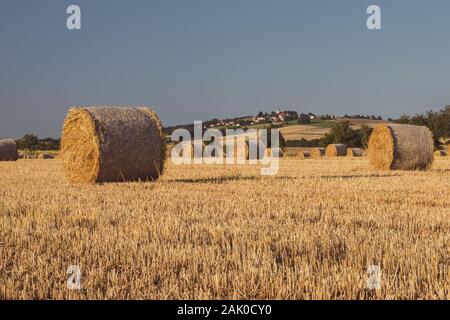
[[28, 142], [404, 119], [364, 133], [303, 119], [342, 132]]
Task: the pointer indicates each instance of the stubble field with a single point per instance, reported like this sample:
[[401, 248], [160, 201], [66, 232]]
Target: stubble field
[[214, 232]]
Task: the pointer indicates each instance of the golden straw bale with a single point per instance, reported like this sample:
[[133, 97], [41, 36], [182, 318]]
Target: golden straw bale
[[46, 156], [336, 150], [317, 153], [355, 152], [401, 147], [304, 154], [8, 150], [107, 144], [270, 152], [440, 153]]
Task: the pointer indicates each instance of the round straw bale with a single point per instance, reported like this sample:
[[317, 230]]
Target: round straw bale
[[8, 150], [240, 148], [440, 153], [21, 155], [336, 150], [304, 154], [29, 156], [317, 152], [401, 147], [271, 151], [108, 144], [46, 156], [354, 152]]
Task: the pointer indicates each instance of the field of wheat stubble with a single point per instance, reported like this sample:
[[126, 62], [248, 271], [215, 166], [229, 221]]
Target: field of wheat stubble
[[216, 232]]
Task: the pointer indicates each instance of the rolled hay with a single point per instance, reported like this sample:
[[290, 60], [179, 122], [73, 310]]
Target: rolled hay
[[305, 154], [110, 144], [45, 156], [336, 150], [8, 150], [21, 155], [440, 153], [271, 151], [29, 156], [317, 153], [239, 151], [355, 152], [401, 147]]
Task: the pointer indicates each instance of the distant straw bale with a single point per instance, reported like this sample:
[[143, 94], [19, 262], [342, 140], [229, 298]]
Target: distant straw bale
[[440, 153], [317, 153], [271, 151], [45, 156], [336, 150], [355, 152], [304, 154]]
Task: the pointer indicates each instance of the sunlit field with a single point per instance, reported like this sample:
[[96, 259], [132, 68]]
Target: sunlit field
[[215, 232]]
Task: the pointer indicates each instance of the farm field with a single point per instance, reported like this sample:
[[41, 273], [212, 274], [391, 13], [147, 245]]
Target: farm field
[[215, 232], [307, 132]]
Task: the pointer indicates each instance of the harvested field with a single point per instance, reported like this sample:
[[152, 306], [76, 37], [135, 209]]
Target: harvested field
[[203, 232], [307, 132]]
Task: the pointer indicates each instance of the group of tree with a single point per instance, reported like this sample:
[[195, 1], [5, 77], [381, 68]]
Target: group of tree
[[33, 143], [366, 117], [342, 132], [304, 118], [437, 121]]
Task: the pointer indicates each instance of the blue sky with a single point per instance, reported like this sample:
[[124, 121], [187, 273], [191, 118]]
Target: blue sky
[[202, 59]]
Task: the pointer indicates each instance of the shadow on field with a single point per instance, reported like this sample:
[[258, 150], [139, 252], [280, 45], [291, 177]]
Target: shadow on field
[[223, 179]]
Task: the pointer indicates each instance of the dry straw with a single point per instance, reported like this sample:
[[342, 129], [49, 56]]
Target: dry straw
[[336, 150], [8, 150], [355, 152], [440, 153], [107, 144], [401, 147], [317, 153]]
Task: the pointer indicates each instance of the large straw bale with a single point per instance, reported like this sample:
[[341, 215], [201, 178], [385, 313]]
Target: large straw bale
[[8, 150], [401, 147], [107, 144]]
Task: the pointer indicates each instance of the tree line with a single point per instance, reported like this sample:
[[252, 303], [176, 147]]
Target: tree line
[[342, 132], [32, 142]]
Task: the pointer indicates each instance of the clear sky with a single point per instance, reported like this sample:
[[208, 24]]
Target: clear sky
[[202, 59]]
